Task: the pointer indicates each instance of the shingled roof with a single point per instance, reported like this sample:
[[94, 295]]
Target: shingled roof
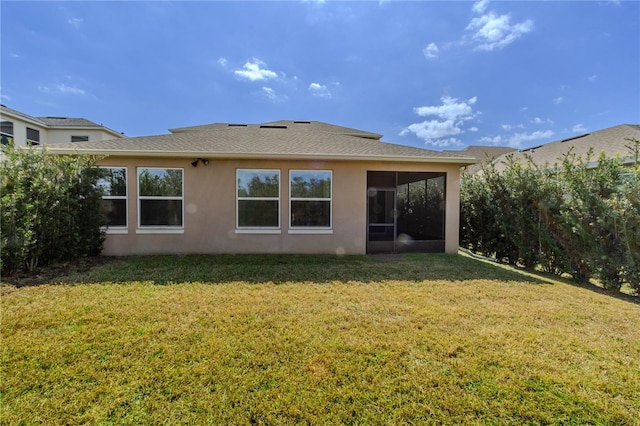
[[67, 122], [613, 141], [266, 141], [312, 126]]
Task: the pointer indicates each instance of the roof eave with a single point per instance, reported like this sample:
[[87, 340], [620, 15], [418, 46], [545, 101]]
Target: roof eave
[[20, 116], [265, 156]]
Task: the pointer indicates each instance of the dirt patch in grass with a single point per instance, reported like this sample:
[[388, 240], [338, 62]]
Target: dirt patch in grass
[[50, 274]]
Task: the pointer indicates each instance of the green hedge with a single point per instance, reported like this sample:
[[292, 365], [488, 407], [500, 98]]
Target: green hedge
[[564, 218], [51, 208]]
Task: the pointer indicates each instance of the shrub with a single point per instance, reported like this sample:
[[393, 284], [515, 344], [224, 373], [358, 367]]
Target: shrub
[[51, 208], [566, 218]]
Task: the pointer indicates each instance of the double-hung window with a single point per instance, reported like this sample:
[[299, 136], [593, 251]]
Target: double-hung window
[[258, 199], [33, 136], [113, 184], [6, 132], [160, 197], [310, 199]]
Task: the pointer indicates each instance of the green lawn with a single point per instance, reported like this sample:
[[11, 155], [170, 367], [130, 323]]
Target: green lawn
[[420, 339]]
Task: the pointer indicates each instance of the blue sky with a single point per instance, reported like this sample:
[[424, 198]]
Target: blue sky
[[437, 75]]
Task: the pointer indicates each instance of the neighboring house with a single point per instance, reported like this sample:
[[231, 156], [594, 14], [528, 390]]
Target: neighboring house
[[613, 141], [483, 154], [281, 187], [24, 129]]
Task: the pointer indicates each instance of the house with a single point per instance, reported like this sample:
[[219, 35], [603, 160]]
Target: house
[[279, 187], [23, 129], [484, 152], [613, 141]]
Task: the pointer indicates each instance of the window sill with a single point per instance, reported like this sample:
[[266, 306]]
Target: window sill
[[310, 231], [115, 231], [159, 231], [258, 231]]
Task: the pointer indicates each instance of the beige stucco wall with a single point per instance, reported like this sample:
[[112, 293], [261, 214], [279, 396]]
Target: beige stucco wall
[[210, 209], [64, 135]]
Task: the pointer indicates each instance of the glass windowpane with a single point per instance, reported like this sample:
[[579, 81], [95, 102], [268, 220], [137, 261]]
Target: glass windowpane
[[258, 183], [258, 213], [116, 211], [311, 213], [6, 127], [114, 183], [160, 212], [33, 135], [311, 184], [160, 182]]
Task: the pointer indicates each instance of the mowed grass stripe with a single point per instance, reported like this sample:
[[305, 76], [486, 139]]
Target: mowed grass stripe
[[438, 341]]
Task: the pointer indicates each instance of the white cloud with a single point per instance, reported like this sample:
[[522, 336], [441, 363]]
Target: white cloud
[[431, 51], [488, 31], [579, 128], [558, 100], [75, 22], [538, 120], [473, 129], [505, 126], [592, 78], [480, 6], [319, 90], [253, 71], [222, 62], [516, 140], [497, 140], [272, 95], [269, 93], [523, 109], [443, 143], [62, 88], [450, 116], [450, 109], [493, 31]]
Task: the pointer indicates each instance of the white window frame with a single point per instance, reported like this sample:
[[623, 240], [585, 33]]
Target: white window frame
[[311, 229], [258, 229], [158, 229], [119, 229]]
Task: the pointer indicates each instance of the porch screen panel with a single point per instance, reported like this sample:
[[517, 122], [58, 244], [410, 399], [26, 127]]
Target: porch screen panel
[[420, 206]]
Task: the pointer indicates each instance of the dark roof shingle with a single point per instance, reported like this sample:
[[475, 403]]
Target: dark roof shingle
[[68, 122], [274, 141]]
